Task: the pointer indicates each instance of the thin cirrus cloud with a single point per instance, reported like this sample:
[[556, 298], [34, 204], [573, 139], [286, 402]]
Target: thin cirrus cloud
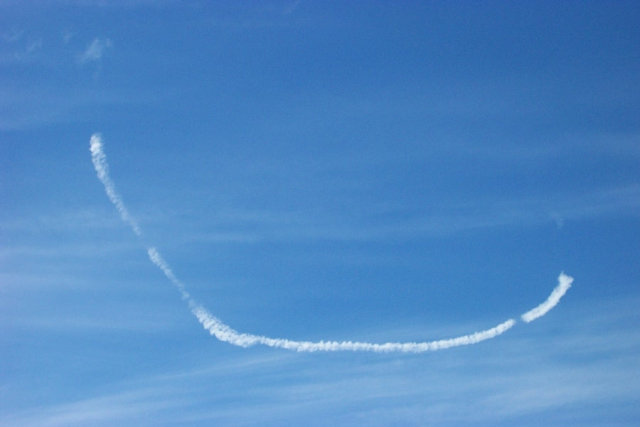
[[225, 333], [95, 51]]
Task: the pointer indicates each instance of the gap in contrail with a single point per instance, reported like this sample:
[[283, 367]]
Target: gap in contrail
[[225, 333]]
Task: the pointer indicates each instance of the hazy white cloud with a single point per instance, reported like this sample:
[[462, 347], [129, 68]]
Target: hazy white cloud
[[67, 36], [95, 51], [20, 48], [112, 408], [444, 219], [33, 46], [497, 386], [12, 36]]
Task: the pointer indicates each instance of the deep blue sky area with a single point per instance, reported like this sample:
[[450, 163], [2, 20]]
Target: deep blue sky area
[[311, 170]]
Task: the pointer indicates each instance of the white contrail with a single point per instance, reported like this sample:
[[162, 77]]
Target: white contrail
[[564, 283], [157, 259], [225, 333], [102, 169]]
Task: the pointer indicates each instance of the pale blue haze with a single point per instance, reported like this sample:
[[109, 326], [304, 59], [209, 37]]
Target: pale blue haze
[[372, 171]]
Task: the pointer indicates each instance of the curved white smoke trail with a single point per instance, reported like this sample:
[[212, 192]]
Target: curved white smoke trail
[[225, 333], [564, 283], [102, 169]]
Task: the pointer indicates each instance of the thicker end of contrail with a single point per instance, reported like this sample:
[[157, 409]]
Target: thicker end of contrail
[[564, 283]]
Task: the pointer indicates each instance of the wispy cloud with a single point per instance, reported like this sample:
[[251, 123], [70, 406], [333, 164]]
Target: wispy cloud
[[68, 219], [225, 333], [95, 50], [514, 382], [25, 108], [20, 48], [445, 219], [67, 35], [12, 36], [128, 405], [33, 46]]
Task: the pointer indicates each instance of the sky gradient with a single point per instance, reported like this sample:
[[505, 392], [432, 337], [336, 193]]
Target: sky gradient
[[371, 172]]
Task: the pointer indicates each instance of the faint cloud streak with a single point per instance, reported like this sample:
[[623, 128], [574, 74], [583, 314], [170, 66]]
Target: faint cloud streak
[[95, 51]]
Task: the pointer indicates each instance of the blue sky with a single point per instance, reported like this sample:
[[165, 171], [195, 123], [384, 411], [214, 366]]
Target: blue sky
[[367, 171]]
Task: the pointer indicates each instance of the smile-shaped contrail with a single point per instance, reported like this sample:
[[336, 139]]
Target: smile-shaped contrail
[[225, 333]]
